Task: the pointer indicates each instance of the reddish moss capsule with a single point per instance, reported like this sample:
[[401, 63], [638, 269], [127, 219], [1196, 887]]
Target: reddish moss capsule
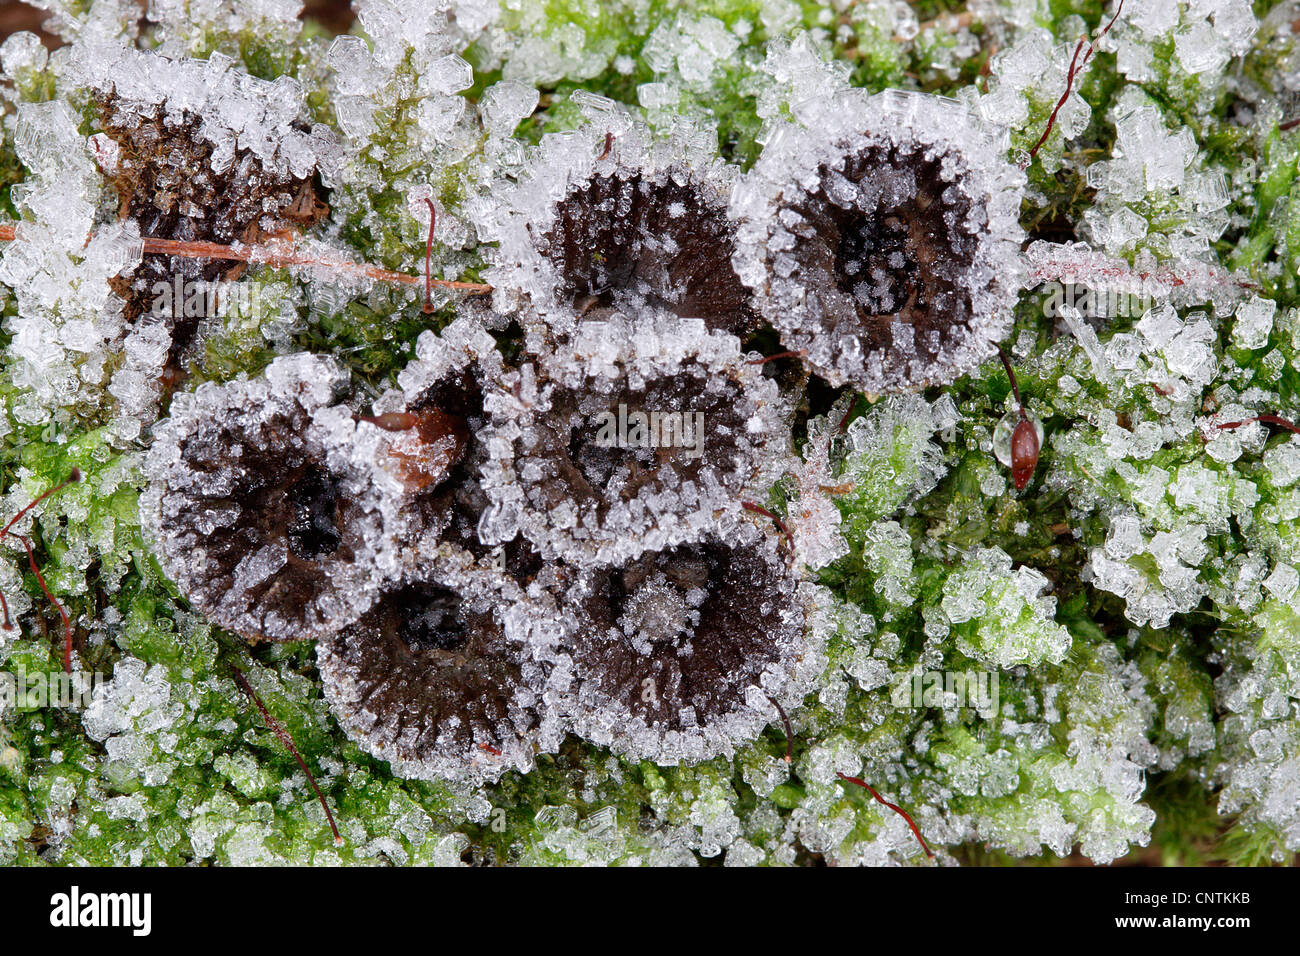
[[1024, 452], [1018, 438]]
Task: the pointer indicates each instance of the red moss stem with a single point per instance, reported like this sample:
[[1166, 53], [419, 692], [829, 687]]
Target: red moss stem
[[428, 258], [789, 734], [779, 355], [760, 510], [1075, 69], [6, 532], [285, 739], [897, 809], [1267, 419]]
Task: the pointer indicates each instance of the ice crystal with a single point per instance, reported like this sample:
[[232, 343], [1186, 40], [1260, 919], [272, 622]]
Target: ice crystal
[[879, 235], [234, 112], [70, 320], [999, 615]]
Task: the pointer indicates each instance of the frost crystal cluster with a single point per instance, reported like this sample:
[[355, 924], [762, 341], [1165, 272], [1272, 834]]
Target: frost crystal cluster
[[880, 235]]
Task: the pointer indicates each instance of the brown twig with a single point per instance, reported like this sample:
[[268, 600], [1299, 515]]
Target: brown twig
[[1099, 267], [279, 255]]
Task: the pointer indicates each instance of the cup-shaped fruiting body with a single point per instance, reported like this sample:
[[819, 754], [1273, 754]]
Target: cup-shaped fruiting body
[[604, 217], [265, 505], [632, 435], [198, 152], [678, 655], [881, 237], [432, 426], [437, 678]]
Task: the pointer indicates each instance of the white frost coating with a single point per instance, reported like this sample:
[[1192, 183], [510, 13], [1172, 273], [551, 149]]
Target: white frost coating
[[11, 586], [409, 64], [815, 519], [463, 346], [1155, 174], [181, 23], [88, 22], [892, 450], [449, 693], [784, 207], [520, 217], [1259, 740], [69, 323], [1183, 282], [223, 474], [237, 111], [1002, 616], [681, 660], [548, 474], [130, 715]]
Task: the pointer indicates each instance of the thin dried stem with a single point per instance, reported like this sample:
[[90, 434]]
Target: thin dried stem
[[6, 532], [281, 254], [789, 734], [760, 510], [428, 258], [1066, 265], [1263, 419], [1076, 68], [800, 354], [1015, 386]]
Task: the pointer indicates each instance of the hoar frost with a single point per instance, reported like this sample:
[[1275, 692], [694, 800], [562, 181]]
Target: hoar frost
[[641, 433], [607, 216], [677, 655], [880, 236], [432, 681], [267, 507]]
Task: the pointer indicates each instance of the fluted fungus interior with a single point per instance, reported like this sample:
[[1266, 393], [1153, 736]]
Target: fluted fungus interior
[[634, 239], [880, 239], [671, 648]]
